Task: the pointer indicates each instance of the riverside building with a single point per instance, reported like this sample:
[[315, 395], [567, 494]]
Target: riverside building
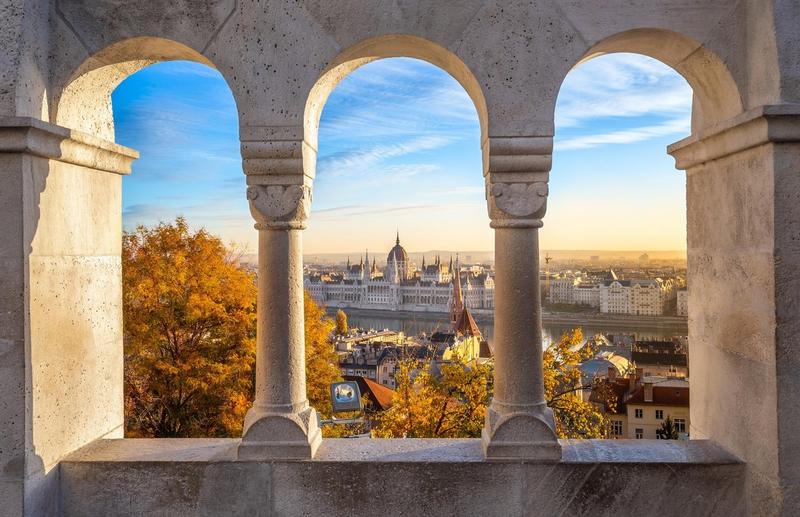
[[399, 286]]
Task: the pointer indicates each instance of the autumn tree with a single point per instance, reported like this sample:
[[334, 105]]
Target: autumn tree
[[563, 383], [322, 363], [341, 323], [450, 403], [189, 311]]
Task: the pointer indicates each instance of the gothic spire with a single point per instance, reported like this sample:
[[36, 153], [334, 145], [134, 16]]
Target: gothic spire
[[397, 241], [458, 302]]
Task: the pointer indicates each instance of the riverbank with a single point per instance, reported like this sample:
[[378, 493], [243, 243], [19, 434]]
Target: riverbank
[[675, 324]]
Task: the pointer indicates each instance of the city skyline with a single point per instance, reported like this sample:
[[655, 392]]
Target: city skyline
[[399, 148]]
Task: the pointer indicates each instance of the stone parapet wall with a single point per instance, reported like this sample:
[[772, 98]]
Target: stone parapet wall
[[401, 477]]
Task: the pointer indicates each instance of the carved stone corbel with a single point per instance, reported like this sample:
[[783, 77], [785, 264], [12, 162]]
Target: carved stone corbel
[[279, 206], [516, 171], [279, 166], [517, 204]]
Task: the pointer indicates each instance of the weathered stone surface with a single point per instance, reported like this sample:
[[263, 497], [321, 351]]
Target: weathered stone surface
[[408, 477]]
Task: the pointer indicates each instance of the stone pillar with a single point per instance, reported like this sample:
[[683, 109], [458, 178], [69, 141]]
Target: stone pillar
[[743, 234], [281, 424], [61, 357], [519, 425]]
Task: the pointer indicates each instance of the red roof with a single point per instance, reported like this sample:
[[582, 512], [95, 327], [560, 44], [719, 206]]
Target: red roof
[[379, 395], [662, 396], [465, 325]]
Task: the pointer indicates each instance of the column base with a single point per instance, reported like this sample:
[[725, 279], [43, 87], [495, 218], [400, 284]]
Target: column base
[[280, 436], [521, 434]]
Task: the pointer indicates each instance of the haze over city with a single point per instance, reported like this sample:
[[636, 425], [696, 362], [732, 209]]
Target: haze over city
[[399, 150]]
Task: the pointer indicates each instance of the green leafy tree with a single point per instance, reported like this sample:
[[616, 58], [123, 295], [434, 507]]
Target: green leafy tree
[[667, 431]]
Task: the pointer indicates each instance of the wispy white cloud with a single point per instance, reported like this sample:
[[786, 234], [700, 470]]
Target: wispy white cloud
[[398, 98], [626, 136], [348, 212], [359, 161], [621, 85]]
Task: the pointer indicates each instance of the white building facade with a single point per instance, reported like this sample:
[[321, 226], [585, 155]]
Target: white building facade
[[683, 302], [650, 297], [399, 288]]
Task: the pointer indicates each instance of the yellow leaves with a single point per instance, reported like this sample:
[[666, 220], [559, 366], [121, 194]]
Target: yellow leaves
[[189, 322], [454, 403], [426, 406], [563, 385], [322, 364], [341, 322]]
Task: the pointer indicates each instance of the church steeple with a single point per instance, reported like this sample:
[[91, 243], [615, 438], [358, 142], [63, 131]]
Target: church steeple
[[458, 301], [423, 262]]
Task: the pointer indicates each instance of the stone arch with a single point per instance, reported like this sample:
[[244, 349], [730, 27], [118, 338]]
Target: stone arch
[[394, 45], [84, 102], [716, 95]]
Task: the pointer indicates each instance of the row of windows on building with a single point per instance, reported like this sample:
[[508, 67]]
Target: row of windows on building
[[618, 428]]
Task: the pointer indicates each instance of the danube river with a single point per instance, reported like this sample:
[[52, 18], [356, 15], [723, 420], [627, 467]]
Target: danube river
[[413, 324]]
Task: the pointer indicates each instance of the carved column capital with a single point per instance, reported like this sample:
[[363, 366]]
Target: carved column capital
[[279, 206], [517, 170], [517, 204], [279, 167]]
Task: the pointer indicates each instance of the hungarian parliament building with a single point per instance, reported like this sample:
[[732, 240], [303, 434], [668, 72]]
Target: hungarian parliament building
[[402, 287]]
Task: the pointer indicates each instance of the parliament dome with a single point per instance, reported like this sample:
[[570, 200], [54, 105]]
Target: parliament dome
[[397, 254]]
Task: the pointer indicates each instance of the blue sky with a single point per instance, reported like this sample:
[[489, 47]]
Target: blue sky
[[399, 148]]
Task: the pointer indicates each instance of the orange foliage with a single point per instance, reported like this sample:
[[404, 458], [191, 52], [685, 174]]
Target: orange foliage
[[189, 321], [322, 363]]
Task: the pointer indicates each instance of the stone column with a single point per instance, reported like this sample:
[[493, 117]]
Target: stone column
[[281, 424], [519, 425], [743, 234]]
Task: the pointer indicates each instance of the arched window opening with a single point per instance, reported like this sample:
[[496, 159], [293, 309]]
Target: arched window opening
[[399, 250], [614, 247], [189, 294]]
